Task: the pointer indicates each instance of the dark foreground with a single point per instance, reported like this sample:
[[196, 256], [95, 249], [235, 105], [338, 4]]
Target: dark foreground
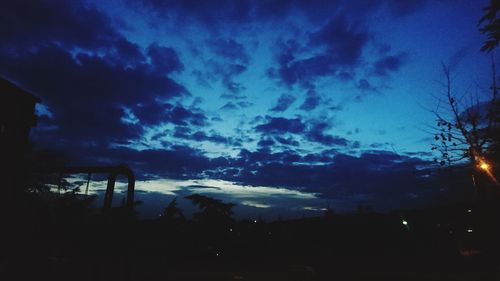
[[67, 242]]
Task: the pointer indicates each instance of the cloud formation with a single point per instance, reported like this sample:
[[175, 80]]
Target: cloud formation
[[110, 91]]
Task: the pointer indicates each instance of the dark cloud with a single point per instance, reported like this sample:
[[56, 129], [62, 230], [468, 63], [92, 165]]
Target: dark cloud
[[277, 142], [230, 50], [216, 14], [229, 106], [88, 80], [345, 76], [387, 64], [343, 40], [30, 23], [164, 59], [179, 115], [182, 132], [384, 173], [202, 136], [312, 101], [104, 90], [187, 134], [244, 104], [226, 72], [67, 24], [364, 85], [334, 176], [386, 176], [284, 57], [302, 71], [150, 113], [335, 50], [211, 13], [316, 133], [339, 45], [279, 125], [379, 145], [265, 142], [201, 78], [283, 103], [265, 156], [236, 105], [287, 141], [157, 112], [227, 60], [313, 131], [178, 162], [87, 94]]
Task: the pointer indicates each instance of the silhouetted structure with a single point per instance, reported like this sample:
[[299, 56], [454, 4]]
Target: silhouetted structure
[[172, 212], [17, 117], [211, 210], [112, 172]]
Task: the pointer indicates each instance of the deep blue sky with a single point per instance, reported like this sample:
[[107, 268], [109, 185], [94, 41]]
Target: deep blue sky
[[279, 106]]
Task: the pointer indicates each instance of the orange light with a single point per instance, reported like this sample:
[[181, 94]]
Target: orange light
[[484, 166]]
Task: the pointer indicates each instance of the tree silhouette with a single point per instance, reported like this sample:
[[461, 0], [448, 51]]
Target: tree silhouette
[[490, 25], [172, 212], [468, 125], [211, 210], [468, 129]]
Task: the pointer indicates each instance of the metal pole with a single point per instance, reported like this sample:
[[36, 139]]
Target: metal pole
[[88, 182], [108, 197]]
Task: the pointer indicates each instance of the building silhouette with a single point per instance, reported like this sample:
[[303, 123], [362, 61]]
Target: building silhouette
[[17, 117]]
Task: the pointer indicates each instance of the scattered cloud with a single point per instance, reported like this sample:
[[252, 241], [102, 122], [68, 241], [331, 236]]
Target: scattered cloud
[[283, 103], [387, 64]]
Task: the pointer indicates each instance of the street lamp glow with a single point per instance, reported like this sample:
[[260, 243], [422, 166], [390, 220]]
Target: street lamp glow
[[484, 166], [404, 222]]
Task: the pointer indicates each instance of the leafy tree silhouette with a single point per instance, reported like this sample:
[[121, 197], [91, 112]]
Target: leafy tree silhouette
[[467, 131], [211, 210], [468, 125], [172, 212], [490, 25], [212, 223]]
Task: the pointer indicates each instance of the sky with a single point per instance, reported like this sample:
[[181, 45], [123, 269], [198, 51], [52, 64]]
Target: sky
[[282, 107]]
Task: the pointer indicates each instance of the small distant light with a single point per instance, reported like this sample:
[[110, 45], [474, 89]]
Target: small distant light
[[469, 230], [231, 229], [469, 211], [217, 254], [404, 222], [254, 221]]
